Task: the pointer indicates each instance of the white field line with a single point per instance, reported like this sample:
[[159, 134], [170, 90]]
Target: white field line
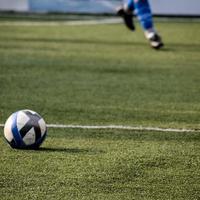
[[64, 23], [118, 127]]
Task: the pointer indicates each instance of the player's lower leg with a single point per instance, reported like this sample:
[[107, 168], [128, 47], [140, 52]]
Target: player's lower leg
[[126, 12], [143, 12]]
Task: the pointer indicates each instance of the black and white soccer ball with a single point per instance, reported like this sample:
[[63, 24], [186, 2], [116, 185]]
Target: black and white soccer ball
[[25, 129]]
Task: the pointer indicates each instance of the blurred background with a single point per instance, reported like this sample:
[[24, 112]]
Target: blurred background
[[159, 7]]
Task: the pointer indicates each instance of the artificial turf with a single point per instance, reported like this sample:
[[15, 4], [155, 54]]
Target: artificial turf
[[102, 74]]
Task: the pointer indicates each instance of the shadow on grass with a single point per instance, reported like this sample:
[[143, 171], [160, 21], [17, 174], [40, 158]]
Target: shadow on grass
[[91, 41], [69, 150], [177, 47], [77, 41]]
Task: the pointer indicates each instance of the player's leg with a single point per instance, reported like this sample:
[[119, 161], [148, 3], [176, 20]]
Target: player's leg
[[143, 12], [126, 12], [130, 5]]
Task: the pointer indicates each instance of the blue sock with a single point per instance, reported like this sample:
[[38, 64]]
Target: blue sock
[[143, 12], [130, 5]]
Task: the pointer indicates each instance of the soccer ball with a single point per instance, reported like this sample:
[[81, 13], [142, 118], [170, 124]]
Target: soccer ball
[[25, 129]]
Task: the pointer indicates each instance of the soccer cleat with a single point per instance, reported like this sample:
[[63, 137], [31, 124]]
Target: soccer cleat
[[127, 17], [155, 40]]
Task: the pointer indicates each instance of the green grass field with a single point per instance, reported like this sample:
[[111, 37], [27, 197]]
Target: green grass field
[[102, 75]]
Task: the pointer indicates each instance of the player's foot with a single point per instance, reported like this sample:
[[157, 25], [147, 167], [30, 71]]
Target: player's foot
[[155, 40], [127, 16]]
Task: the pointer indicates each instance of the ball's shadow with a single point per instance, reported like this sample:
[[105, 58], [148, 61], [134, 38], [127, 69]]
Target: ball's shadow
[[70, 150]]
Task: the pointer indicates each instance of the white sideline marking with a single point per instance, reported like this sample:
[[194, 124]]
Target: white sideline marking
[[119, 127], [64, 23]]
